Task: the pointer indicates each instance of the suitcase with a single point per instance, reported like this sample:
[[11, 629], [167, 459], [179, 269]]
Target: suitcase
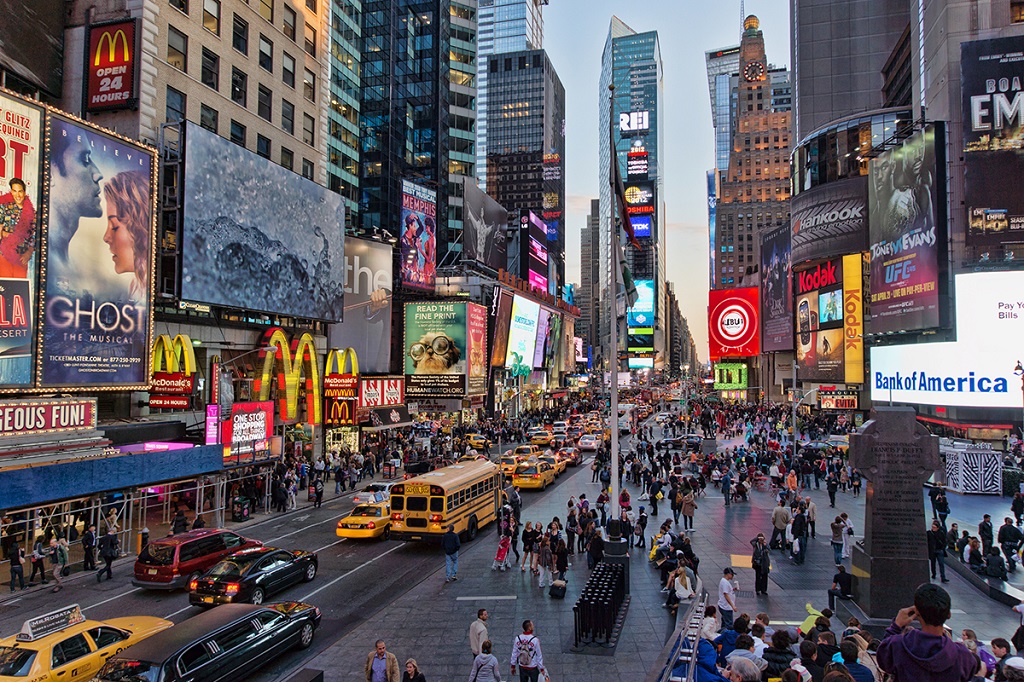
[[557, 589]]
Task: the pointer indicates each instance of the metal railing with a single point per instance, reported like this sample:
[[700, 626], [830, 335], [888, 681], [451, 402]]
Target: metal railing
[[681, 648]]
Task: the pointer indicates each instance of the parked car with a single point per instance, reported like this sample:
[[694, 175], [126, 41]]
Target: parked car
[[172, 562], [251, 576]]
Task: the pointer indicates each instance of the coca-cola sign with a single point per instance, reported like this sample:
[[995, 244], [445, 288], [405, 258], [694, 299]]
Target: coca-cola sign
[[381, 392]]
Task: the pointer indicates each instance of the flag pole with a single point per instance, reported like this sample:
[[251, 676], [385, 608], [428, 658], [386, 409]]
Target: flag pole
[[613, 417]]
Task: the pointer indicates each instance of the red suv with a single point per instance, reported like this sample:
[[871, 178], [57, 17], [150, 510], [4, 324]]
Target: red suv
[[171, 562]]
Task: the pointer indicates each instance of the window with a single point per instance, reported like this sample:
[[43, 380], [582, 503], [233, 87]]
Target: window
[[308, 129], [231, 540], [268, 619], [194, 657], [211, 69], [266, 54], [263, 103], [288, 69], [309, 86], [237, 133], [239, 86], [180, 5], [307, 169], [437, 503], [263, 146], [208, 118], [289, 22], [175, 105], [211, 16], [287, 117], [267, 10], [310, 40], [311, 5], [69, 650], [1017, 12], [240, 34], [105, 636], [235, 636], [287, 158], [177, 49]]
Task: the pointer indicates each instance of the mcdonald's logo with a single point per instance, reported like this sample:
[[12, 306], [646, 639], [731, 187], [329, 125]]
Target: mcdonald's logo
[[340, 412], [339, 358], [111, 37], [110, 63], [337, 384], [171, 355], [298, 372]]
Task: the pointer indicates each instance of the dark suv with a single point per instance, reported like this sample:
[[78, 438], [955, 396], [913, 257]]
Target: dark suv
[[170, 563]]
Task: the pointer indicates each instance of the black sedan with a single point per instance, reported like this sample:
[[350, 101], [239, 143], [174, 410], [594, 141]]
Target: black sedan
[[251, 575], [690, 443]]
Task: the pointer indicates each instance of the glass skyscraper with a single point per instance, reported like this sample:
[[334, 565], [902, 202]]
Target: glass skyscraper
[[343, 112]]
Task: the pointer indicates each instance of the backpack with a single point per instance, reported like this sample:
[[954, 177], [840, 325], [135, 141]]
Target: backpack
[[525, 657]]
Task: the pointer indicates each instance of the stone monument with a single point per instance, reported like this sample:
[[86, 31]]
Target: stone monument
[[896, 455]]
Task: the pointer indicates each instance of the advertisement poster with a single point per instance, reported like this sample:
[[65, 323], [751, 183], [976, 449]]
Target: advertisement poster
[[543, 318], [553, 343], [906, 217], [830, 220], [990, 72], [522, 334], [436, 350], [241, 247], [733, 326], [501, 310], [776, 291], [110, 80], [369, 286], [246, 436], [476, 331], [820, 351], [853, 318], [642, 312], [484, 238], [419, 236], [99, 259], [535, 251], [578, 343], [21, 145], [377, 392], [730, 376]]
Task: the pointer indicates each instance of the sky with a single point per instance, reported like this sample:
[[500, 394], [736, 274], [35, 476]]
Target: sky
[[574, 36]]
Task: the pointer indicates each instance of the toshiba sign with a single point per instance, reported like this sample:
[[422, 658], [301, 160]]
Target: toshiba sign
[[733, 325]]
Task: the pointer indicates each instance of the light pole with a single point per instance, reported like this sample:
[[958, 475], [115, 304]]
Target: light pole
[[1019, 371]]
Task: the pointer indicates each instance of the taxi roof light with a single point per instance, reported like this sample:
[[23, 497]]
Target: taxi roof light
[[49, 623]]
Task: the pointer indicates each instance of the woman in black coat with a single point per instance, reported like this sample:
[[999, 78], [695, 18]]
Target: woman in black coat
[[778, 655]]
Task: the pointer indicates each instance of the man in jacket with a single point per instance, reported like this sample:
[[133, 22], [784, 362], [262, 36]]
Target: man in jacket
[[89, 549], [800, 536], [381, 665], [527, 655], [780, 519], [109, 550], [478, 632], [1009, 539], [937, 549], [450, 543], [985, 533]]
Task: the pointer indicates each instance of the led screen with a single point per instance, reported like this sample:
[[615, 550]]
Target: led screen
[[642, 312], [522, 334]]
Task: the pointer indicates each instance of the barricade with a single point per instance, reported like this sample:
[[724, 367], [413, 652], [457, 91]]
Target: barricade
[[596, 613]]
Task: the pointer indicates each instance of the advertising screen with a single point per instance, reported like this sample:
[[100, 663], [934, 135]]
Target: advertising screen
[[640, 363], [639, 198], [99, 259], [641, 225], [476, 338], [577, 342], [642, 312], [976, 370], [484, 228], [368, 290], [830, 220], [906, 216], [829, 321], [637, 164], [436, 349], [730, 376], [554, 340], [543, 320], [32, 42], [776, 291], [501, 311], [21, 146], [112, 66], [522, 335], [712, 218], [419, 236], [733, 326], [640, 342], [241, 247], [994, 158], [536, 256]]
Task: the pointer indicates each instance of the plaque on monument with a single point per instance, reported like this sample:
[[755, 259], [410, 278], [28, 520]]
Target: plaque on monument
[[896, 455]]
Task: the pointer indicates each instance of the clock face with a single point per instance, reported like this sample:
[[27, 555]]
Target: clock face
[[754, 71]]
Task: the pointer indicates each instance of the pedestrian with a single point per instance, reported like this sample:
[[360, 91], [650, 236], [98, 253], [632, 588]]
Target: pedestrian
[[59, 560], [595, 547], [197, 524], [412, 672], [799, 536], [780, 521], [485, 666], [942, 505], [812, 517], [529, 538], [726, 600], [478, 632], [561, 560], [179, 524], [688, 506], [842, 587], [109, 550], [16, 557], [1010, 538], [450, 543], [832, 486], [937, 549], [641, 526], [727, 486], [318, 492], [838, 531], [761, 562], [545, 560], [985, 532], [848, 535], [89, 548], [381, 665], [571, 528], [526, 654], [38, 560]]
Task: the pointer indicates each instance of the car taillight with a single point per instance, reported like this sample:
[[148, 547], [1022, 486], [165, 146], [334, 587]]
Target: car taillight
[[536, 475], [397, 516], [193, 584], [231, 589], [371, 525], [435, 517]]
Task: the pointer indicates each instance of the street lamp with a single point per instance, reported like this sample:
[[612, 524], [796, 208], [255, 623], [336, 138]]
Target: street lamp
[[1019, 371]]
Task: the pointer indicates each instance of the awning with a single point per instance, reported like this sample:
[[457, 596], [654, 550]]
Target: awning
[[384, 418]]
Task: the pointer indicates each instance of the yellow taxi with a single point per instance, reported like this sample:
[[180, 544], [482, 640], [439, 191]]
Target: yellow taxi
[[508, 463], [477, 441], [526, 451], [534, 474], [367, 521], [556, 462], [540, 437], [63, 645]]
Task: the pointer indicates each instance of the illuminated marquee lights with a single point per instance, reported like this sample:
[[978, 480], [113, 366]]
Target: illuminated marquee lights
[[293, 363]]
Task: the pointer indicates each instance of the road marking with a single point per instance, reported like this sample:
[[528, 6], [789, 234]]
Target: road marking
[[318, 523], [171, 615], [345, 575], [105, 601], [337, 542], [504, 597]]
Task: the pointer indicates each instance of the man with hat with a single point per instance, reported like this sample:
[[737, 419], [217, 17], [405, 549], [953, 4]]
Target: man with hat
[[726, 598]]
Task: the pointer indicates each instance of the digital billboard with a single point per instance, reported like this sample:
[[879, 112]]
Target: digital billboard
[[907, 201], [733, 326], [577, 343], [21, 148], [637, 164], [99, 259], [553, 343], [501, 314], [476, 340], [639, 198], [535, 251], [442, 348], [32, 42], [522, 334], [484, 228], [258, 236], [830, 220], [640, 363], [543, 319], [369, 287], [993, 119], [829, 321], [730, 376], [976, 370], [776, 291], [642, 312], [418, 236], [641, 225], [112, 66]]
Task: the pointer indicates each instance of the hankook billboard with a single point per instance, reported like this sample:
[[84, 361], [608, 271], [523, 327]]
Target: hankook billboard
[[830, 220]]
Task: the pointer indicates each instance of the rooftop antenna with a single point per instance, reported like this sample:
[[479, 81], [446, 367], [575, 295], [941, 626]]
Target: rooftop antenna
[[743, 17]]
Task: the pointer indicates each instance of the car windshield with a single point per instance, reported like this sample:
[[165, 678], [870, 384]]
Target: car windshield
[[157, 554], [523, 471], [366, 510], [232, 569], [122, 670], [15, 662]]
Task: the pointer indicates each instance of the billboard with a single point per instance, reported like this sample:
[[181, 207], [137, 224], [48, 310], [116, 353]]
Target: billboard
[[443, 348], [543, 321], [642, 312], [419, 236], [639, 198], [640, 363], [246, 436], [21, 147], [993, 154], [384, 391], [730, 376], [776, 291], [535, 251], [484, 228], [830, 220], [522, 334], [637, 164], [829, 321], [501, 311], [907, 202], [241, 247], [476, 333], [838, 400], [32, 42], [976, 370], [112, 67], [97, 314], [369, 285], [641, 225], [733, 327], [577, 342]]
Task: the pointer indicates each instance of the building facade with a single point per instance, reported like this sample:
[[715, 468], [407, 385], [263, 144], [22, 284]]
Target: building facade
[[588, 296]]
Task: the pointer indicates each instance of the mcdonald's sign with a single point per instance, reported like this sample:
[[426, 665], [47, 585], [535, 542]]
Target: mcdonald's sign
[[174, 372], [296, 368], [111, 69], [341, 390]]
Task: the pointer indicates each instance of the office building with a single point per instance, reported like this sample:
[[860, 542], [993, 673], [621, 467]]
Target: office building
[[588, 296], [343, 106]]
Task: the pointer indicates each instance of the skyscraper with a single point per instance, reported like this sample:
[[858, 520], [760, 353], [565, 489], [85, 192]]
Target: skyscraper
[[588, 296], [343, 109]]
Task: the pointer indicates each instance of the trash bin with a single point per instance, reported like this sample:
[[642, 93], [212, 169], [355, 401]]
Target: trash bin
[[241, 509]]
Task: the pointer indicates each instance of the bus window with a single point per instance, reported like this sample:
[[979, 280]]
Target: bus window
[[398, 503], [437, 504], [416, 504]]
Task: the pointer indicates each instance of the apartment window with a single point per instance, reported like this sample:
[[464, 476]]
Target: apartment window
[[289, 22], [211, 69], [288, 69], [310, 40], [263, 146], [180, 5], [263, 103], [307, 169], [266, 54], [211, 16], [239, 87], [177, 49], [288, 117], [267, 10], [208, 118], [311, 5], [309, 86], [308, 129], [175, 105], [287, 158], [240, 34], [1017, 12], [237, 133]]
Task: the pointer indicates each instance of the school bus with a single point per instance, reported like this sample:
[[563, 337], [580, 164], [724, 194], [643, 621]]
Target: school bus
[[466, 495]]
